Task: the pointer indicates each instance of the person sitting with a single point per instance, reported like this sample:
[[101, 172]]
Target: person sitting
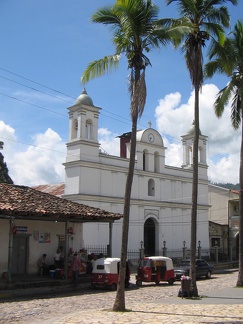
[[43, 266]]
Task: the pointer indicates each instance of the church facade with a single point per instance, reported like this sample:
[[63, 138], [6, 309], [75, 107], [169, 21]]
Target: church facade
[[160, 210]]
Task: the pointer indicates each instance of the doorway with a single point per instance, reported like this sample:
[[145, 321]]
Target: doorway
[[20, 254], [149, 237]]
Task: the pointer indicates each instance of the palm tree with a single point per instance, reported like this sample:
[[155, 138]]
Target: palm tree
[[228, 60], [206, 18], [135, 31]]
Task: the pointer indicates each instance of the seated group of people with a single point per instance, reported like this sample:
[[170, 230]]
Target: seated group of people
[[82, 256], [44, 267]]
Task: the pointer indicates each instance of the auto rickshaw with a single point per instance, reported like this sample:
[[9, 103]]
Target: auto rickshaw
[[155, 269], [105, 273]]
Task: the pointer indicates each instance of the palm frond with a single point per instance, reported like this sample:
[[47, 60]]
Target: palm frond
[[213, 67], [228, 60], [223, 99], [215, 30], [100, 67], [105, 16], [173, 30], [236, 108], [218, 15]]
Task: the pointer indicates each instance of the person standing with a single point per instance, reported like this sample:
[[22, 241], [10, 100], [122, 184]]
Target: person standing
[[76, 264], [43, 266], [57, 259]]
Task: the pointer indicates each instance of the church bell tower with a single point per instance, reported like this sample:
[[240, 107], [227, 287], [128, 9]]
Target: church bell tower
[[83, 129], [187, 142]]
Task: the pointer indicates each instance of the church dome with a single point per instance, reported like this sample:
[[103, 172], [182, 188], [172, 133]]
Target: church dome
[[191, 130], [84, 99]]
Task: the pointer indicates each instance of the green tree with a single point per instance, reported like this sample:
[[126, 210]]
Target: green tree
[[4, 176], [136, 30], [207, 19], [228, 59]]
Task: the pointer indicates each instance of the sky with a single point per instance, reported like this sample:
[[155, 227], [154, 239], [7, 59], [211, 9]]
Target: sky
[[46, 46]]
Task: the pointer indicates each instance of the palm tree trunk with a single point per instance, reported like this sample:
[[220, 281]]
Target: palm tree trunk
[[119, 304], [194, 195], [240, 275]]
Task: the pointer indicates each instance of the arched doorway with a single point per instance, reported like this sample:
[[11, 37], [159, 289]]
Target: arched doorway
[[149, 237]]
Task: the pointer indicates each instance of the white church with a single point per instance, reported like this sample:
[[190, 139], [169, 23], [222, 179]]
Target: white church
[[160, 210]]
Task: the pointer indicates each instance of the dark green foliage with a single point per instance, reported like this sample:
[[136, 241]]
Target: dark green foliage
[[4, 176], [227, 185]]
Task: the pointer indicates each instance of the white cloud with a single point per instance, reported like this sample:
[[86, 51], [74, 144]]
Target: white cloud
[[6, 132], [225, 170], [39, 163], [109, 142], [174, 118], [173, 154], [170, 112]]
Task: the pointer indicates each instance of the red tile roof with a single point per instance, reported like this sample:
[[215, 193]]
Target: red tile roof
[[28, 203], [235, 191], [53, 189]]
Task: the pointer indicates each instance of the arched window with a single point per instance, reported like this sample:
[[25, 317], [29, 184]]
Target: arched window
[[151, 187], [145, 160], [75, 129], [190, 155], [201, 158], [156, 162], [88, 129]]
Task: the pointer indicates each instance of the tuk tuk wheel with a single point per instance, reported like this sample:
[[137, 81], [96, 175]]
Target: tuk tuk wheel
[[139, 283], [157, 282], [114, 287], [171, 281]]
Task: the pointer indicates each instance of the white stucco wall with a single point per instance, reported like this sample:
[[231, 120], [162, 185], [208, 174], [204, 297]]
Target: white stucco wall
[[218, 199], [37, 246], [159, 192]]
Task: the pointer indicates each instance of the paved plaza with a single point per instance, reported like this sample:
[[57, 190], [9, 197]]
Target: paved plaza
[[220, 302]]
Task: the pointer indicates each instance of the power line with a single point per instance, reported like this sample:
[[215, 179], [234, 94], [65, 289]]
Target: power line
[[42, 85], [57, 91], [32, 145], [29, 103], [47, 94], [175, 140]]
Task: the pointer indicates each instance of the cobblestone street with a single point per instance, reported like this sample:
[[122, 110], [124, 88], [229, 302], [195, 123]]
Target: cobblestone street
[[148, 304]]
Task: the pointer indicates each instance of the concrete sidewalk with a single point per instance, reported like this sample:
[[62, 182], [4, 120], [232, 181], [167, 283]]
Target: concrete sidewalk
[[221, 306], [229, 296]]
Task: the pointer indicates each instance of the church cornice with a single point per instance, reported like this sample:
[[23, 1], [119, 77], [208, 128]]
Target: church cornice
[[124, 169], [136, 202], [82, 141]]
